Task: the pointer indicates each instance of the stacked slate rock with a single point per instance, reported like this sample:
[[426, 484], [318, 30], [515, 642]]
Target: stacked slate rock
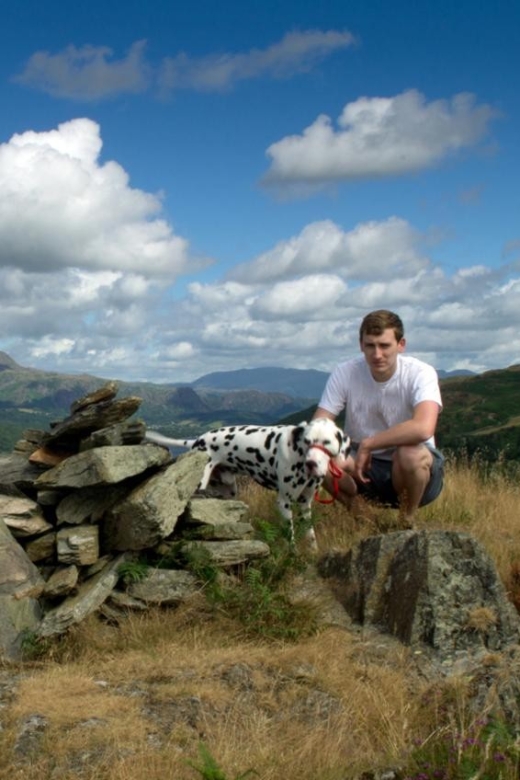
[[79, 501]]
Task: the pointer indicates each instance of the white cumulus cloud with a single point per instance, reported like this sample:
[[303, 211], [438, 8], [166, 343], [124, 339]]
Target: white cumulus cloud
[[379, 137], [312, 296], [380, 250], [85, 259], [60, 207]]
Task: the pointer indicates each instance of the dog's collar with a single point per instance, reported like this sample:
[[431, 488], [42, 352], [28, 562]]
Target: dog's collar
[[322, 448]]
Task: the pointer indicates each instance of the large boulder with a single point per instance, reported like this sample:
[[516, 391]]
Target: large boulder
[[103, 466], [438, 589], [151, 511]]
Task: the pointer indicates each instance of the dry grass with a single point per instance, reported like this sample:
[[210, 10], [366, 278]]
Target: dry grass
[[307, 711], [133, 702]]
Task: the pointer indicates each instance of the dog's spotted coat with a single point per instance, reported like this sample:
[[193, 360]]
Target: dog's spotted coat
[[291, 459]]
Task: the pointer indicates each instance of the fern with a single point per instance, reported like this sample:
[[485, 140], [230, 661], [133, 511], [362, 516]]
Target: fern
[[210, 770], [201, 564], [133, 571], [267, 532]]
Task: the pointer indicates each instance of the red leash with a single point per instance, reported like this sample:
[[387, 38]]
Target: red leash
[[336, 474]]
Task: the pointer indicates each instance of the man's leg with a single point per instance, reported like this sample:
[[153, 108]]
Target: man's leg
[[411, 470]]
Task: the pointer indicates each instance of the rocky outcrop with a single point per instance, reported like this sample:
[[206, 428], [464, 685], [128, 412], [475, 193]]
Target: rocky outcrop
[[80, 501], [436, 589]]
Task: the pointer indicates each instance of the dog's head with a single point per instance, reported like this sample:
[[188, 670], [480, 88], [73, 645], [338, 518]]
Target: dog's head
[[323, 441]]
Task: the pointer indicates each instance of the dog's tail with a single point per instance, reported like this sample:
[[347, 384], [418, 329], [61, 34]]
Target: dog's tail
[[165, 441]]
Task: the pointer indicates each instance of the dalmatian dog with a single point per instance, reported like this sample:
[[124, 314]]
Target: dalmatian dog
[[291, 459]]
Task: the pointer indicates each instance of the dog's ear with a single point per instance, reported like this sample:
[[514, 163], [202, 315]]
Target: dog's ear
[[297, 434]]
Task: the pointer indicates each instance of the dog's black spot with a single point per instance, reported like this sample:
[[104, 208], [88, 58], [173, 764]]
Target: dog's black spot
[[268, 440], [296, 436]]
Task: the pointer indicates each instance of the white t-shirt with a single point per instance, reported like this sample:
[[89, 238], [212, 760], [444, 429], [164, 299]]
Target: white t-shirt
[[372, 407]]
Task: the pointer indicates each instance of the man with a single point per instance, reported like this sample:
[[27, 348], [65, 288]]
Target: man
[[391, 404]]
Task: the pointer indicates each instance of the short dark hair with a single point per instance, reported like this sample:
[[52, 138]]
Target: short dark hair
[[376, 322]]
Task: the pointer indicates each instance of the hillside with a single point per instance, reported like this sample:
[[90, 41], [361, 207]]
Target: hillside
[[482, 413]]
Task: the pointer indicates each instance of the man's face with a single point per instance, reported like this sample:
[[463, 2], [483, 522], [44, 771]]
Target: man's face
[[381, 353]]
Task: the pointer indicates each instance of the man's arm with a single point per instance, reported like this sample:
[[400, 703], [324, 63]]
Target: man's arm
[[414, 431], [420, 428], [320, 412]]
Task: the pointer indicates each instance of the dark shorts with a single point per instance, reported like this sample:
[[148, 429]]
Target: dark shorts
[[381, 489]]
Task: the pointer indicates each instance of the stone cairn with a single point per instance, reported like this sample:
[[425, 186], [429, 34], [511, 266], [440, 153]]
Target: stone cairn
[[80, 501]]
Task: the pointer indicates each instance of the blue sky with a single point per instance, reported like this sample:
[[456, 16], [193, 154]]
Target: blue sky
[[210, 186]]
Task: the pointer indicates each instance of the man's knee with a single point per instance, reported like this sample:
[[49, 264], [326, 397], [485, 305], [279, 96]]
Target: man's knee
[[436, 480], [413, 458]]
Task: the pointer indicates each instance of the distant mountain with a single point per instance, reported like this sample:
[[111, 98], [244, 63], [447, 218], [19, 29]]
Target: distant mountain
[[308, 383], [187, 399], [7, 362]]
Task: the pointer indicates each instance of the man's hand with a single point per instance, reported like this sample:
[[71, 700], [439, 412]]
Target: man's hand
[[362, 463]]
